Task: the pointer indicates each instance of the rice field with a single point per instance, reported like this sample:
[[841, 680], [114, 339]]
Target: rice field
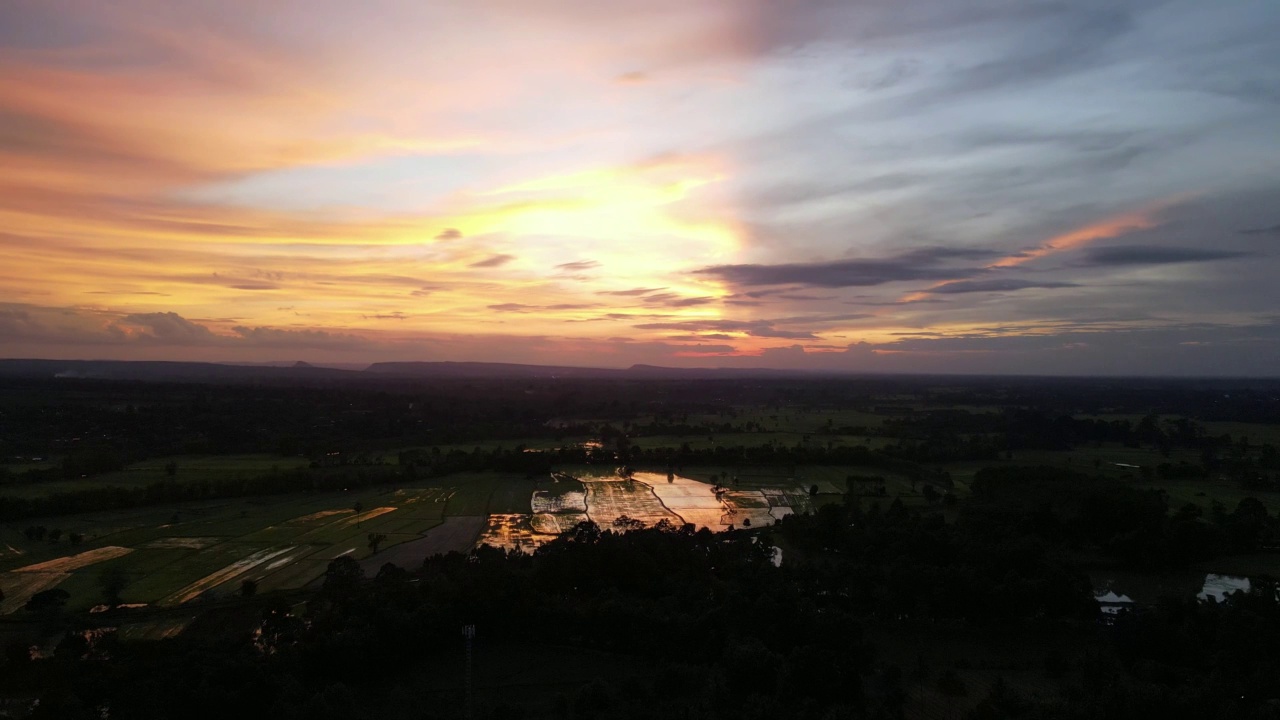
[[175, 555], [512, 531], [178, 554]]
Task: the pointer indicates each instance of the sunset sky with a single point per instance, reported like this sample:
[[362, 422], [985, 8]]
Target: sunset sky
[[865, 185]]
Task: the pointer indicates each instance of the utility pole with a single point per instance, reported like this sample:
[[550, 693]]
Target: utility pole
[[469, 632]]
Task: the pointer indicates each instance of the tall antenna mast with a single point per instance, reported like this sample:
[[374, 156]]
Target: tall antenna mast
[[469, 632]]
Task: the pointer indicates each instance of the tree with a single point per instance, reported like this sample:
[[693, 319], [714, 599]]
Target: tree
[[171, 469], [47, 600], [75, 538], [343, 576], [54, 535], [112, 581], [359, 508], [930, 494], [248, 588], [813, 490], [375, 539]]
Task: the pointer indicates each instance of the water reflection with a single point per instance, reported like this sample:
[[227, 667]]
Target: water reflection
[[1119, 591], [1218, 587]]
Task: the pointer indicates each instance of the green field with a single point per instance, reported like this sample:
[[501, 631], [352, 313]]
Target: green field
[[179, 553]]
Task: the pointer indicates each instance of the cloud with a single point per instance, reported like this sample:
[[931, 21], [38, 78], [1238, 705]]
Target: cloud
[[922, 264], [996, 285], [493, 261], [1273, 230], [523, 308], [265, 337], [1154, 255], [449, 234], [633, 292], [170, 327], [674, 300], [756, 328], [579, 266], [632, 78]]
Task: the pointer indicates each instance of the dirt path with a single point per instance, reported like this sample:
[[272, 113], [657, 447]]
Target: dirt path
[[456, 533]]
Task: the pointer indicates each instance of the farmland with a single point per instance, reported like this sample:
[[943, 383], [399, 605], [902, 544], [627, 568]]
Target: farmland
[[177, 554]]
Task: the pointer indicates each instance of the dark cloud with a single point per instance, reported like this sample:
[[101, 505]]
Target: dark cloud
[[129, 292], [170, 327], [522, 308], [254, 286], [1154, 255], [921, 264], [997, 285], [571, 306], [674, 300], [397, 315], [449, 234], [1273, 230], [578, 266], [633, 292], [493, 261], [805, 298]]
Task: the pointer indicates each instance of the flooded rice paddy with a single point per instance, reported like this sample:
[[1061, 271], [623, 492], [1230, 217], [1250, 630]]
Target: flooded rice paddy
[[643, 498]]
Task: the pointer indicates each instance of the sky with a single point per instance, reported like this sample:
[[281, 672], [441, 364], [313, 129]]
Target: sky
[[952, 186]]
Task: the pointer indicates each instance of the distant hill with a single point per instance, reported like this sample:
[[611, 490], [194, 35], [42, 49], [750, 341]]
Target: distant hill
[[301, 371], [164, 371], [511, 370]]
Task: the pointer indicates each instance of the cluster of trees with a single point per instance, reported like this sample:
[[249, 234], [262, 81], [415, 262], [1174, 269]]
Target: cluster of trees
[[1132, 525], [95, 497], [37, 533]]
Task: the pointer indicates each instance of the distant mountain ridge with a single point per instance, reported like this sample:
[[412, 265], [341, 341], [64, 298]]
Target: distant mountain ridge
[[499, 370], [166, 371]]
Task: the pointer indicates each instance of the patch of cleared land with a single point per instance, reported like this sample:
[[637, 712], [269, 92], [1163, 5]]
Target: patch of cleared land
[[367, 515], [230, 572], [190, 543], [75, 562], [19, 587], [318, 516]]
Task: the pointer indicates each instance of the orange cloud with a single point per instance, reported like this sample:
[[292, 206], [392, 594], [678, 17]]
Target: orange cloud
[[1143, 218]]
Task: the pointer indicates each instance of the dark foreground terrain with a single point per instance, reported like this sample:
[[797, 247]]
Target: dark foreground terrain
[[949, 562]]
